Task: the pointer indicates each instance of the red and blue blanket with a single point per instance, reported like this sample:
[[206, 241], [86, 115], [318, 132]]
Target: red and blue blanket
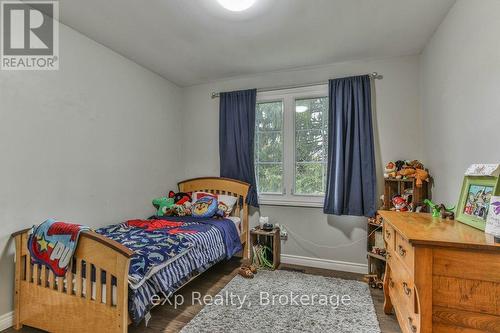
[[53, 244], [155, 245], [159, 242]]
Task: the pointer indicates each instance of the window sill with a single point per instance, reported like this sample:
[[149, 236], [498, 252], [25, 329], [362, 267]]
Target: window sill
[[291, 203]]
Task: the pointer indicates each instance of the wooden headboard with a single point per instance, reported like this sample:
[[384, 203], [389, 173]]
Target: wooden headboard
[[227, 186]]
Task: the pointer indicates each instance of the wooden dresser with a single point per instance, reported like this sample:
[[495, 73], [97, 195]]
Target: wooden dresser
[[441, 275]]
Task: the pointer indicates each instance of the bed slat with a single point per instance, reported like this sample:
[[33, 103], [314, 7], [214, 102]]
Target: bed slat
[[51, 279], [69, 280], [78, 277], [36, 279], [98, 285], [60, 284], [43, 276], [109, 290], [28, 267], [88, 280]]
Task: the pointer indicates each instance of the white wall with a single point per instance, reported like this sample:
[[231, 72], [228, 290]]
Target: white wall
[[397, 123], [92, 143], [461, 94]]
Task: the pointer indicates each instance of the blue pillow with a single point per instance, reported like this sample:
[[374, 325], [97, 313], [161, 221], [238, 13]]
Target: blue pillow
[[204, 207]]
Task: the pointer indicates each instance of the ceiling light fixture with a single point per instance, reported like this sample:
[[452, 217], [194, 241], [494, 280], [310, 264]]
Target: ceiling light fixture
[[301, 108], [236, 5]]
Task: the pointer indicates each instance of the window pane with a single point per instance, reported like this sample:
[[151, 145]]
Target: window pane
[[309, 178], [269, 116], [310, 145], [270, 178], [269, 147], [311, 133], [311, 113]]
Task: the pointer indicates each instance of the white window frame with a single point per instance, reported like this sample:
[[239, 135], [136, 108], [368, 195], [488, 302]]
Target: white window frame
[[288, 97]]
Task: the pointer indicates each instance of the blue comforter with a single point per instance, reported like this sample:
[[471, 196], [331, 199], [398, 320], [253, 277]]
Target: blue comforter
[[153, 249], [225, 226], [197, 244]]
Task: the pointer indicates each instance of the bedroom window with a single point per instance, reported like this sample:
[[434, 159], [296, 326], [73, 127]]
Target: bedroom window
[[291, 146], [269, 147]]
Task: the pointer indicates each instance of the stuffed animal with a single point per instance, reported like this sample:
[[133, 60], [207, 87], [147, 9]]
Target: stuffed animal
[[180, 197], [406, 172], [400, 164], [205, 207], [390, 170], [163, 205], [180, 210], [421, 175], [416, 164], [400, 204]]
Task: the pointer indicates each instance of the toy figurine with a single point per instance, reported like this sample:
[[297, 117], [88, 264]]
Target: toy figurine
[[374, 281], [440, 210], [446, 212]]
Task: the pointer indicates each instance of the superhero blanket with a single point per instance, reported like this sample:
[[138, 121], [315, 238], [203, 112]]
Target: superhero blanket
[[155, 243], [53, 243]]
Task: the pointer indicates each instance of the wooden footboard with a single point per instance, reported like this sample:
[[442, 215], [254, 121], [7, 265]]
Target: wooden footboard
[[76, 302]]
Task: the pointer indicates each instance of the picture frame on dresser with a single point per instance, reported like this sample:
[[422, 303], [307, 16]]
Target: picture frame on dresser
[[480, 184]]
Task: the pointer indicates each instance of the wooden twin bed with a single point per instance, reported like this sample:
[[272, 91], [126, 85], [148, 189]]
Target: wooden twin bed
[[77, 304]]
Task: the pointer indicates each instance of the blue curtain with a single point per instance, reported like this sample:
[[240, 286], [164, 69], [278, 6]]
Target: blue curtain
[[236, 138], [351, 181]]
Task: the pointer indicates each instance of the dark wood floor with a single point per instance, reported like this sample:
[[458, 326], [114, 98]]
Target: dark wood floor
[[168, 319]]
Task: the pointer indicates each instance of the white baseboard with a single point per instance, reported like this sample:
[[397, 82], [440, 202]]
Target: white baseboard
[[6, 321], [335, 265]]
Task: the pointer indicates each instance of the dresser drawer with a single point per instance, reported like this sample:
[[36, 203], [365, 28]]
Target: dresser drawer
[[403, 285], [402, 294], [409, 322], [389, 236], [405, 252]]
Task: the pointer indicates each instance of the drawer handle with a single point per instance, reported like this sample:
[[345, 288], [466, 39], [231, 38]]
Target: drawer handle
[[388, 256], [413, 328], [391, 283], [402, 251], [388, 233], [406, 289]]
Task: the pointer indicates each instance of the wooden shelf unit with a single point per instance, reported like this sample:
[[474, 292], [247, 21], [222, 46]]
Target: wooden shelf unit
[[271, 239], [393, 186], [376, 262]]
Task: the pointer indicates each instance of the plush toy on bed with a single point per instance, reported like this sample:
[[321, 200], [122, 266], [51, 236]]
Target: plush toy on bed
[[181, 204], [163, 205], [180, 198], [205, 207]]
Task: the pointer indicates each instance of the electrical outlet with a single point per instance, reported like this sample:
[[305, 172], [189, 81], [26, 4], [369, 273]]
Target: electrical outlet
[[283, 232]]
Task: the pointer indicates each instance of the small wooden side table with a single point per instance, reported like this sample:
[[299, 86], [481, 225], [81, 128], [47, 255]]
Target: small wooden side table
[[269, 238]]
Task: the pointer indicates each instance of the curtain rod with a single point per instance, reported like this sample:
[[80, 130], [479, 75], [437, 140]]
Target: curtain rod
[[374, 75]]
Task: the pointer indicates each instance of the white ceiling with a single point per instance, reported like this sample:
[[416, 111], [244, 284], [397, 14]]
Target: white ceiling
[[195, 41]]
